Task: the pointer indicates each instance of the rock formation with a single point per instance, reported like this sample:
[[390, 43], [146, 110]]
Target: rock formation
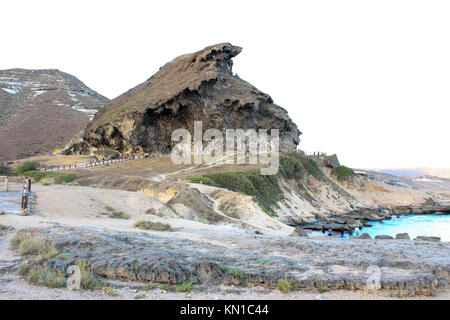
[[197, 86], [41, 110]]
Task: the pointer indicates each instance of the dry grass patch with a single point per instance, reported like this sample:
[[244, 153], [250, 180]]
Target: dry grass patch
[[116, 214], [26, 244], [157, 226]]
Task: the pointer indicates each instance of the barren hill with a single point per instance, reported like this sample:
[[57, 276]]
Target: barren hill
[[197, 86], [41, 110]]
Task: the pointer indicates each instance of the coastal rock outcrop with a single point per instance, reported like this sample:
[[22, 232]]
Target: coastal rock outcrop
[[193, 87], [432, 239], [384, 237]]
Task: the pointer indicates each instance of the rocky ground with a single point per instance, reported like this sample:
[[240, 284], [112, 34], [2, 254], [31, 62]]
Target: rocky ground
[[220, 260]]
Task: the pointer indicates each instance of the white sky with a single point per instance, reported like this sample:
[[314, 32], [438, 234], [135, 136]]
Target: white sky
[[369, 80]]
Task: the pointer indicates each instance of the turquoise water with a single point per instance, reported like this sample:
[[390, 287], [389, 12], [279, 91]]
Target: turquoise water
[[10, 201], [415, 225]]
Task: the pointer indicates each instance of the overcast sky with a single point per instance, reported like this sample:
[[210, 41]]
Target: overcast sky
[[368, 80]]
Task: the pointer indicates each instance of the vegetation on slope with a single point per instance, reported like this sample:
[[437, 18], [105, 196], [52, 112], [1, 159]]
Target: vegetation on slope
[[265, 190], [295, 165], [29, 169], [342, 173], [60, 177]]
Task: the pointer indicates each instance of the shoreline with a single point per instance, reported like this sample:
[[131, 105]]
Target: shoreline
[[362, 217]]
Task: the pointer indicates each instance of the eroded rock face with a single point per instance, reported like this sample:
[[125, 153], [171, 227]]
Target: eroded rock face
[[193, 87], [331, 161]]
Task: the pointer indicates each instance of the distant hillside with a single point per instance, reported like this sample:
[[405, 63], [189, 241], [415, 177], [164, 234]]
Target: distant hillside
[[41, 110], [437, 172], [417, 172], [401, 172]]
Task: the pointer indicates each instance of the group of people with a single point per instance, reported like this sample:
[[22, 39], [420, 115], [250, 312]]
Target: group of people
[[349, 229]]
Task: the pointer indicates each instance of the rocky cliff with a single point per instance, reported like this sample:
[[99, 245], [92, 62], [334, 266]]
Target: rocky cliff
[[41, 110], [196, 86]]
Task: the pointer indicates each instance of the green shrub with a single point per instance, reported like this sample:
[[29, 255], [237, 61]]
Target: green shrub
[[110, 291], [89, 280], [295, 165], [64, 255], [117, 214], [28, 245], [342, 173], [185, 286], [312, 168], [44, 276], [147, 287], [4, 168], [153, 212], [167, 287], [237, 273], [27, 166], [64, 178], [283, 285], [109, 208], [24, 269], [290, 167], [60, 177], [157, 226]]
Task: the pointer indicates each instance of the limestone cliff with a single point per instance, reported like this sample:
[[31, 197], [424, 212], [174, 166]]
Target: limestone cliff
[[194, 87]]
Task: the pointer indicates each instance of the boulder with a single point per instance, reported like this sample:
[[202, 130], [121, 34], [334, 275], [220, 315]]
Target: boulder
[[2, 212], [365, 236], [402, 236], [424, 238], [299, 232], [331, 161], [383, 236]]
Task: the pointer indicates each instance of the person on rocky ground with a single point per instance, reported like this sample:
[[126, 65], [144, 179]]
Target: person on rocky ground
[[342, 231], [330, 232], [350, 232], [323, 230], [357, 232]]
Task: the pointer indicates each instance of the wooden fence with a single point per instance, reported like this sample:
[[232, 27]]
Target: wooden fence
[[90, 164]]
